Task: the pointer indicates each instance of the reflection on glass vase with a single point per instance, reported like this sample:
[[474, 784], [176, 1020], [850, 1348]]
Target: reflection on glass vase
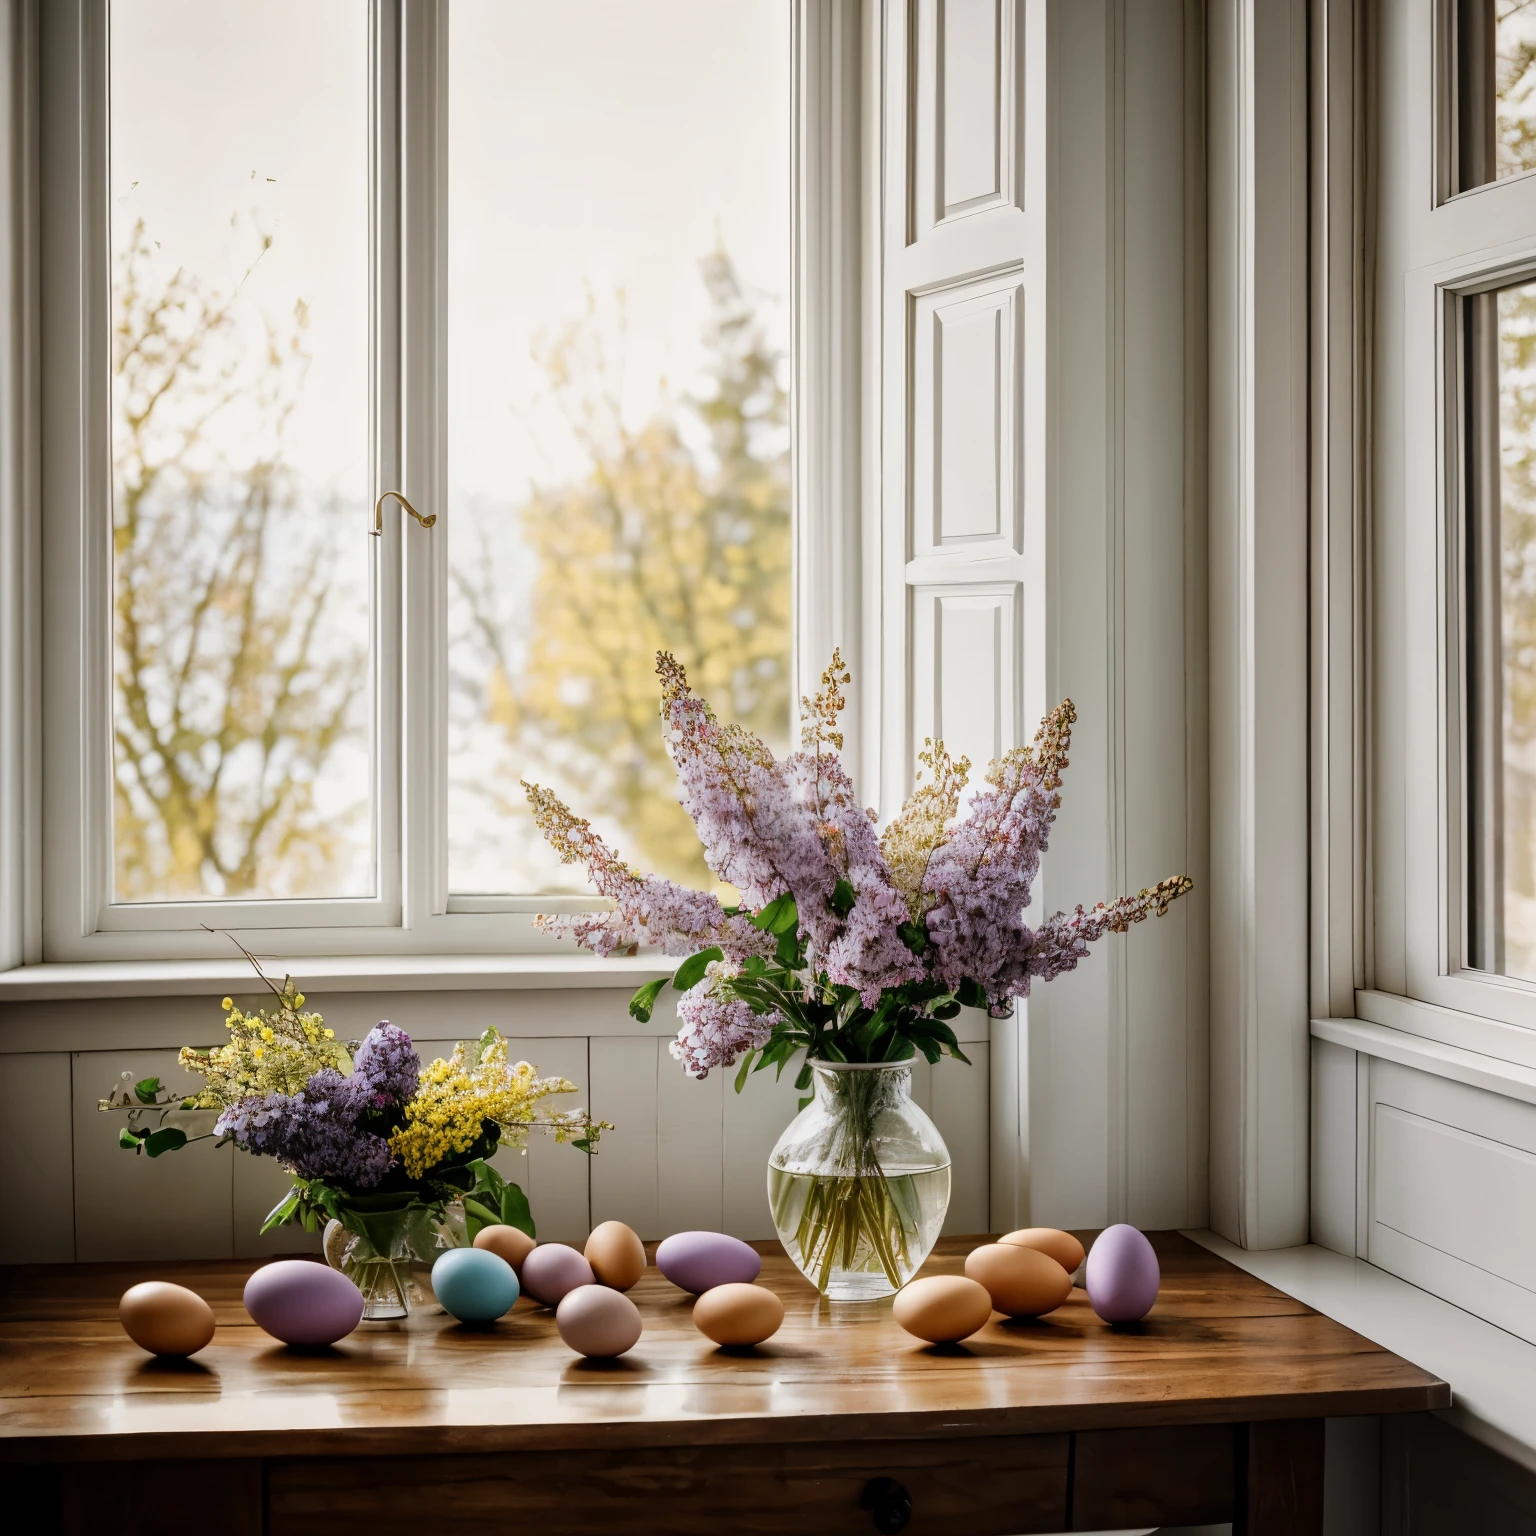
[[388, 1253], [859, 1182]]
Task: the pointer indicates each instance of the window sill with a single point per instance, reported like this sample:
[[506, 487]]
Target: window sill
[[1490, 1371], [1475, 1069], [322, 975]]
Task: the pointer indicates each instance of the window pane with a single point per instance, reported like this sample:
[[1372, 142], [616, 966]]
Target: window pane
[[618, 449], [1502, 635], [1496, 89], [241, 577]]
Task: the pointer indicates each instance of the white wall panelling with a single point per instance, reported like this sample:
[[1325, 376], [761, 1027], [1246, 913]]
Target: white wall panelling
[[1258, 645], [683, 1154], [37, 1150], [1113, 597]]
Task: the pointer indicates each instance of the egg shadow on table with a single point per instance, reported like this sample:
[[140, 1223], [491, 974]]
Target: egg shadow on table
[[177, 1367], [961, 1350], [767, 1350], [616, 1367], [323, 1354]]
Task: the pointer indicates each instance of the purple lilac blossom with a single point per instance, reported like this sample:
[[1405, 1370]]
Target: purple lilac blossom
[[716, 1030], [314, 1132], [754, 835], [388, 1063]]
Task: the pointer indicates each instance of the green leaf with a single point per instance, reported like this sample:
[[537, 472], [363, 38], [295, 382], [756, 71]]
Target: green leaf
[[801, 1103], [914, 936], [843, 898], [147, 1090], [515, 1212], [169, 1138], [284, 1210], [691, 972], [779, 916], [743, 1069], [755, 966], [949, 1010], [958, 1054], [481, 1213], [970, 994], [128, 1139], [644, 1000], [788, 952], [803, 1077]]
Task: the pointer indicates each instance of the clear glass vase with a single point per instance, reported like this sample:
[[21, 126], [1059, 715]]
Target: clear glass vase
[[859, 1182], [388, 1254]]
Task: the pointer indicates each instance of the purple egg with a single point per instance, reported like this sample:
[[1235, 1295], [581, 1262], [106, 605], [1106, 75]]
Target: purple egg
[[551, 1270], [1122, 1275], [699, 1261], [301, 1302]]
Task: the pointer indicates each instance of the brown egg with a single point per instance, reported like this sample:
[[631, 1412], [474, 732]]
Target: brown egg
[[1023, 1282], [738, 1314], [165, 1319], [942, 1308], [507, 1243], [616, 1254], [1061, 1246]]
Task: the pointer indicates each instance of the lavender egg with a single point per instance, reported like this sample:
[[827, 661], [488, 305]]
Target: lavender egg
[[303, 1303], [1122, 1275], [551, 1271], [699, 1261]]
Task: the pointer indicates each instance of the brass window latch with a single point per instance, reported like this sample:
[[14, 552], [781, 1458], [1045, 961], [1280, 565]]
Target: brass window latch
[[378, 513]]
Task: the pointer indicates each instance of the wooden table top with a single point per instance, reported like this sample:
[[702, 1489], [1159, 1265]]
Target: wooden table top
[[1219, 1347]]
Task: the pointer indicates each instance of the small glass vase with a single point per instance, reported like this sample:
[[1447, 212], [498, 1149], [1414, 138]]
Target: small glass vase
[[859, 1182], [388, 1254]]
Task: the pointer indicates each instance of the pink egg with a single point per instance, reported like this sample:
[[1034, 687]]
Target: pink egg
[[1122, 1275], [552, 1270], [301, 1302], [598, 1322]]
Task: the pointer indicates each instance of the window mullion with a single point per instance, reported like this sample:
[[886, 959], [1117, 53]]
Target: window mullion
[[424, 553]]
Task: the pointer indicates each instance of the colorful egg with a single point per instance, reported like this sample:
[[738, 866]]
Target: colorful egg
[[165, 1319], [943, 1309], [474, 1285], [1023, 1282], [506, 1242], [1061, 1246], [699, 1261], [598, 1322], [738, 1314], [616, 1254], [552, 1271], [303, 1303], [1122, 1275]]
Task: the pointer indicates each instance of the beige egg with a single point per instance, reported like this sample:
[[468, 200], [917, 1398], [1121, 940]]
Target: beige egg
[[942, 1308], [507, 1243], [616, 1254], [598, 1322], [1061, 1246], [738, 1314], [165, 1319], [1023, 1282]]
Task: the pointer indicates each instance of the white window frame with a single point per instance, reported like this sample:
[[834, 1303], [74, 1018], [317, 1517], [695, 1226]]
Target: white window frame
[[413, 911], [1457, 244]]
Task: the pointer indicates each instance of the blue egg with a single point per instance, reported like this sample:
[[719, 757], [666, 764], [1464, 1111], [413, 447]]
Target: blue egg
[[474, 1284]]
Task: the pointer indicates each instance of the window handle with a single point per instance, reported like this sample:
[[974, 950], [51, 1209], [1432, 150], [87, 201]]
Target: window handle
[[378, 513]]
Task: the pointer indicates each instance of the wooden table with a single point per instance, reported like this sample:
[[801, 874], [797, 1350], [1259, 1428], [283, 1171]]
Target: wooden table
[[1212, 1409]]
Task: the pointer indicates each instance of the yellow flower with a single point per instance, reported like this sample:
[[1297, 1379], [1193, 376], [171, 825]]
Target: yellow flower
[[298, 999], [227, 1004], [330, 1034]]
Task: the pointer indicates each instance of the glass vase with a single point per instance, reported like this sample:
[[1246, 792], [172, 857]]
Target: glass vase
[[859, 1182], [388, 1254]]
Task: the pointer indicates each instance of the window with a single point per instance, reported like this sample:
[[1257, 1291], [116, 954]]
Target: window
[[526, 267]]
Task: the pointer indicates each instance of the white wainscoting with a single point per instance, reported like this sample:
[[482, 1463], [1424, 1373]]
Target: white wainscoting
[[1424, 1174], [682, 1154]]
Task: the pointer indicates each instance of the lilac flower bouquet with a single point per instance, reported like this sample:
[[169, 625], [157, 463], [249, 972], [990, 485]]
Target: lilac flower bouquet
[[850, 944]]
